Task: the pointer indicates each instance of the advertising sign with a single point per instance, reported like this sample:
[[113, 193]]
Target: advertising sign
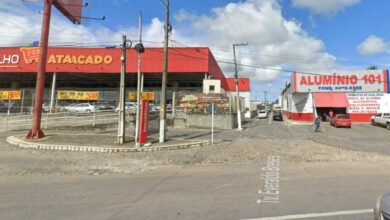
[[70, 9], [144, 122], [150, 96], [77, 95], [10, 95], [202, 101], [354, 81], [368, 102]]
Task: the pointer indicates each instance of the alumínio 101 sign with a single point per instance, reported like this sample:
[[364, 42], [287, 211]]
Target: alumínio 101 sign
[[352, 81]]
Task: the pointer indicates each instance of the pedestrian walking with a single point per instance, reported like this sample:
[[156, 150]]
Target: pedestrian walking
[[331, 114]]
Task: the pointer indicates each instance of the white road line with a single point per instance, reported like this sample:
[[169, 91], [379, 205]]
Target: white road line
[[315, 215]]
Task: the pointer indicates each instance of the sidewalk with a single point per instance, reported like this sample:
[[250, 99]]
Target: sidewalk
[[105, 141]]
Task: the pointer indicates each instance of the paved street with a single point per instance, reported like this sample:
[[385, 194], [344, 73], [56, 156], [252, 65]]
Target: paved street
[[212, 182]]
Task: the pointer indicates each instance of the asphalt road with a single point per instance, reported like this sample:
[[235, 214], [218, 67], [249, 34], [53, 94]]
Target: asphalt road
[[228, 192], [317, 190]]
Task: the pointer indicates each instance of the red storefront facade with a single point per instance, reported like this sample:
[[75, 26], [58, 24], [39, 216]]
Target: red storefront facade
[[182, 61]]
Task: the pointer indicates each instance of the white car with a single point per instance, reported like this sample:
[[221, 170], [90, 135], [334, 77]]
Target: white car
[[81, 107], [130, 107], [262, 114], [382, 119]]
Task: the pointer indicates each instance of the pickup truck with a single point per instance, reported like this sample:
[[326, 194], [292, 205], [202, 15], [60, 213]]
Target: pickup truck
[[382, 119]]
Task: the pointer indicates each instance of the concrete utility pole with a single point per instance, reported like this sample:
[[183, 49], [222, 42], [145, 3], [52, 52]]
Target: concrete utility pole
[[53, 90], [140, 49], [236, 81], [121, 120], [265, 100], [163, 97]]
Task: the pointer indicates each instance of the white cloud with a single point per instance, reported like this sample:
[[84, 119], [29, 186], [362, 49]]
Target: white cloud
[[324, 6], [21, 26], [273, 41], [372, 45]]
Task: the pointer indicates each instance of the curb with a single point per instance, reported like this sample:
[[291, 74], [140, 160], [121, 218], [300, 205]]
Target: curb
[[77, 148]]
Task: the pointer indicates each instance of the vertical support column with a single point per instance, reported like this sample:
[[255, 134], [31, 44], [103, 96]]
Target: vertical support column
[[163, 96], [22, 102], [53, 89], [36, 131], [121, 121]]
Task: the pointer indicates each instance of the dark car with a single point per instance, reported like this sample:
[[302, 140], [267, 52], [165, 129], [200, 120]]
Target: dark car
[[105, 107], [382, 208], [341, 120], [277, 116]]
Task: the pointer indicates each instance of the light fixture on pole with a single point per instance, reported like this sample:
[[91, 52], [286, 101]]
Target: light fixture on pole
[[236, 82]]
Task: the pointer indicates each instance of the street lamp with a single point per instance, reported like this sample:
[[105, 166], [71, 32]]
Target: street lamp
[[236, 81]]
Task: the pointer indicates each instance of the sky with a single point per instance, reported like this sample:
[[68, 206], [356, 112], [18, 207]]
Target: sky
[[282, 35]]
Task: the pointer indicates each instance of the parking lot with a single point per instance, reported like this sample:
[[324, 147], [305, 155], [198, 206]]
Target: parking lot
[[361, 137]]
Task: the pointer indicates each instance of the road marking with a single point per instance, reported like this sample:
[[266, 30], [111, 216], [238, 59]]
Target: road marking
[[316, 215], [271, 187]]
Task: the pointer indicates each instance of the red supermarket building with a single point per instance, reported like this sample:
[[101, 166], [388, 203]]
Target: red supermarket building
[[99, 68], [361, 94]]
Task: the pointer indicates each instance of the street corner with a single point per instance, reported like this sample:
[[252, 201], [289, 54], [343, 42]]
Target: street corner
[[105, 144]]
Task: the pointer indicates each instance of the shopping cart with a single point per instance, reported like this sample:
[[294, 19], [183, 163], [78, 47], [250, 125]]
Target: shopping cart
[[30, 54]]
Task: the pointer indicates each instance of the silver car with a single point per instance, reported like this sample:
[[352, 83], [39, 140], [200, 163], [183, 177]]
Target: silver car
[[382, 208], [81, 107]]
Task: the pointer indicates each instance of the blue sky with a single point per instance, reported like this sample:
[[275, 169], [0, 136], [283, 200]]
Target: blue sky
[[303, 35]]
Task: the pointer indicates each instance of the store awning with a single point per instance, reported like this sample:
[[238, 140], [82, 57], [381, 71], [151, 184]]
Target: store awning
[[330, 100]]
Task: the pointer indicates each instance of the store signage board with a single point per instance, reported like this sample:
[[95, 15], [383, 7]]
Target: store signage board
[[70, 9], [352, 81]]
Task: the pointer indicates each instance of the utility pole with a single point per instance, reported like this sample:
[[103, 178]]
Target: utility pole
[[53, 89], [236, 81], [163, 97], [36, 131], [121, 120], [140, 49], [265, 100]]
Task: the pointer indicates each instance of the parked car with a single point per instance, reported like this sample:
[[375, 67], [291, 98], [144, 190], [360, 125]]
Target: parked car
[[341, 120], [3, 107], [102, 106], [81, 107], [130, 107], [382, 207], [382, 119], [278, 116], [262, 114]]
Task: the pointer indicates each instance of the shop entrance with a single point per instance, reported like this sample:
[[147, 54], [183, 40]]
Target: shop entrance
[[324, 112]]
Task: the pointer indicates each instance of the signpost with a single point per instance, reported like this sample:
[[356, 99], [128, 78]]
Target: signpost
[[144, 122], [72, 10]]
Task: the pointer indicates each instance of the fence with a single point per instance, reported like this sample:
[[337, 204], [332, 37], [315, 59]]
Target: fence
[[53, 120]]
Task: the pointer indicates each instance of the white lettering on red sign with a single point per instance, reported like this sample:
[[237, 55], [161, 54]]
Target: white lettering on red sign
[[9, 59]]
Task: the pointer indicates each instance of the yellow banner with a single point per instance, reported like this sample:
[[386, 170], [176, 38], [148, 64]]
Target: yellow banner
[[10, 95], [150, 96], [77, 95]]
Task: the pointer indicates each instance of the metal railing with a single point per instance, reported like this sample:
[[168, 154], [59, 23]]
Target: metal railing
[[63, 119]]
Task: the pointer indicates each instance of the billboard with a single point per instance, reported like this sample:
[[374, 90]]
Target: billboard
[[77, 95], [368, 103], [202, 101], [70, 9], [149, 96], [10, 95], [352, 81]]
